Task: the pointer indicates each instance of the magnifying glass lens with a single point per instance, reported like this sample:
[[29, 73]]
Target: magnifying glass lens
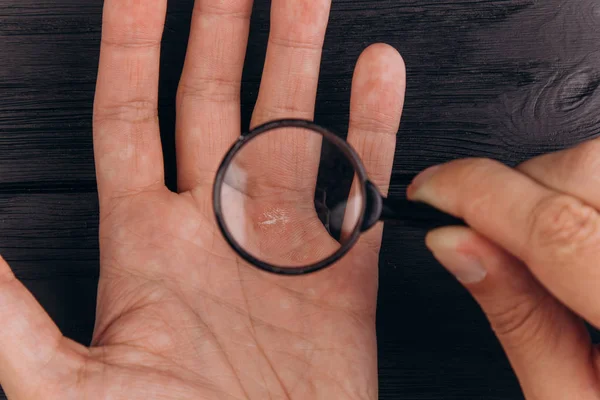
[[290, 198]]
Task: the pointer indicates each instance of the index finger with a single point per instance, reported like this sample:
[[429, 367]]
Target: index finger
[[126, 132], [556, 235]]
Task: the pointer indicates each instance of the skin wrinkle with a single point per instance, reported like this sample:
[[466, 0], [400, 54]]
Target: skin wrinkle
[[287, 43], [373, 124], [126, 196], [302, 377], [127, 274], [240, 311], [261, 350], [513, 326], [254, 330], [309, 363], [321, 302], [130, 111], [139, 289], [135, 332], [204, 207], [201, 90], [302, 297], [82, 372], [164, 364], [167, 370], [145, 350], [531, 228], [254, 319], [258, 345], [181, 296], [100, 338], [221, 348], [211, 8], [141, 43], [167, 235]]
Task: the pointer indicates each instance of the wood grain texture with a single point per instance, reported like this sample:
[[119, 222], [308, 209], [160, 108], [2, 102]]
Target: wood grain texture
[[506, 79]]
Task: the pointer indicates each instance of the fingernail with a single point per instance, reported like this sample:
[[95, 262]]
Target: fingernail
[[446, 245], [416, 189]]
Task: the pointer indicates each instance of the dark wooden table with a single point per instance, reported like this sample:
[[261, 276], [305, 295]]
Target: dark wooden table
[[506, 79]]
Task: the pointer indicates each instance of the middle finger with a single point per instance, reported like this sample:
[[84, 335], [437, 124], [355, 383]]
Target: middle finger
[[291, 72], [289, 88]]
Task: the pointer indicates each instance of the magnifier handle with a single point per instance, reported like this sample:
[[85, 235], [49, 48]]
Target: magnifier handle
[[417, 215]]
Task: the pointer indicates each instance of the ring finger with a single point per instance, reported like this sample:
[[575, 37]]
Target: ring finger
[[291, 72]]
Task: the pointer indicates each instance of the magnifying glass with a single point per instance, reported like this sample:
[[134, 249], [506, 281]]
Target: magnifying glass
[[292, 198]]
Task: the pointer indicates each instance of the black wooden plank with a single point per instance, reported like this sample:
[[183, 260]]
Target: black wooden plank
[[46, 235], [70, 301]]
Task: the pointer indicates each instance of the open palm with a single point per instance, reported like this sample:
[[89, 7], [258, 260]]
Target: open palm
[[179, 315]]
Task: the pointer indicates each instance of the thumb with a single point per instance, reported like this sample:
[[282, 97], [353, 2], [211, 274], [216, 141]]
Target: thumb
[[548, 346], [29, 340]]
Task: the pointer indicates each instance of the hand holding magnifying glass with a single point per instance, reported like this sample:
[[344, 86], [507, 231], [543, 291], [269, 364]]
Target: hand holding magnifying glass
[[284, 211]]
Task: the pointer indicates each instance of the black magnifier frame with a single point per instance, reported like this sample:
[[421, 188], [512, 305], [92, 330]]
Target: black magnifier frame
[[374, 208]]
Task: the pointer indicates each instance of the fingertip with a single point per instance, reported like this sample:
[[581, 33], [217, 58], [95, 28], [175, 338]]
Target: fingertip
[[454, 248], [461, 250], [383, 52], [380, 66]]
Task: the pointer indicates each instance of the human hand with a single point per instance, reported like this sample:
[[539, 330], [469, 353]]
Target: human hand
[[531, 260], [179, 315]]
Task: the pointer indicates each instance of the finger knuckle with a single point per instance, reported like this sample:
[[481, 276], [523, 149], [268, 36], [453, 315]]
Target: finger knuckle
[[522, 323], [215, 90], [297, 42], [562, 226], [372, 121], [267, 112], [225, 8], [128, 41], [132, 111]]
